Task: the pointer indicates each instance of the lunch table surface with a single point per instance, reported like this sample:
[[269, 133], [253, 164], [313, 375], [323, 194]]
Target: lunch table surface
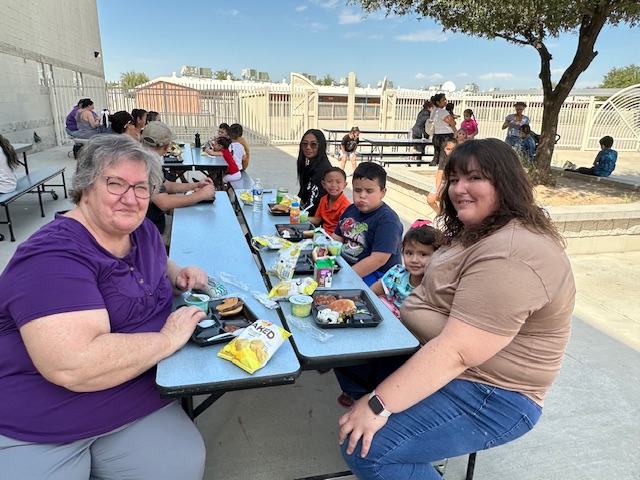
[[23, 148], [209, 236], [344, 345]]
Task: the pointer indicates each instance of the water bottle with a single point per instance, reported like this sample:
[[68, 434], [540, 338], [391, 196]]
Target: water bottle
[[198, 144], [257, 195]]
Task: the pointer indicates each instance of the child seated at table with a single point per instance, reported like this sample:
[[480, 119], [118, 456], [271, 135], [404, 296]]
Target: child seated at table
[[233, 172], [236, 148], [210, 147], [334, 203], [369, 229], [8, 164], [418, 245], [243, 141]]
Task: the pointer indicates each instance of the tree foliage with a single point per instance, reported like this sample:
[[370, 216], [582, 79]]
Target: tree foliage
[[223, 75], [527, 23], [129, 80], [326, 80], [622, 77]]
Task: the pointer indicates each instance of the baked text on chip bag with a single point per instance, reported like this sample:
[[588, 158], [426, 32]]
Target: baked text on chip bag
[[252, 349]]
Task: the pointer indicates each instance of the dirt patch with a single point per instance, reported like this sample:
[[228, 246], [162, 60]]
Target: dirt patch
[[573, 191]]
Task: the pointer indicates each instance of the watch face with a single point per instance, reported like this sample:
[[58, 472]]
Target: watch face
[[376, 405]]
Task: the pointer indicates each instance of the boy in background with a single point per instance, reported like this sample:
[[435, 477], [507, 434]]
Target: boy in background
[[236, 148], [238, 128], [526, 144], [605, 161], [370, 231], [334, 203]]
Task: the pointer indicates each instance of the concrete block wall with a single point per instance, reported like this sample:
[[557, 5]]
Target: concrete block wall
[[37, 36]]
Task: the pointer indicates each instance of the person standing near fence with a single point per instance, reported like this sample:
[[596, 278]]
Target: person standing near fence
[[444, 127], [513, 122], [419, 130], [348, 147]]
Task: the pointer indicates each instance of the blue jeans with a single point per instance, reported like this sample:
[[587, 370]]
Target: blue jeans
[[461, 418], [372, 278], [358, 380]]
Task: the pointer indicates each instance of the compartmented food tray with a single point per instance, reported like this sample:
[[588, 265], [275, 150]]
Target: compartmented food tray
[[366, 313], [295, 230], [172, 159], [276, 213], [305, 264], [222, 328]]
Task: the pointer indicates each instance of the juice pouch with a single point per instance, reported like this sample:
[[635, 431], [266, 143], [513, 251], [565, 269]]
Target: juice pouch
[[252, 349]]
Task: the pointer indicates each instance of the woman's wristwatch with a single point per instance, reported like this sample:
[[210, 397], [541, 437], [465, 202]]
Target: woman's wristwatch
[[377, 406]]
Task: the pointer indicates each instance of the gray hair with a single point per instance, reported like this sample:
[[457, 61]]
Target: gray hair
[[105, 151]]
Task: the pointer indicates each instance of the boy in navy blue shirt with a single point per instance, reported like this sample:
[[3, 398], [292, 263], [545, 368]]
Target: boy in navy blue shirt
[[370, 231], [605, 161]]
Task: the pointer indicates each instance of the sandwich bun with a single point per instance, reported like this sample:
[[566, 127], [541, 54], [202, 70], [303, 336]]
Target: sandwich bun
[[344, 307], [230, 306]]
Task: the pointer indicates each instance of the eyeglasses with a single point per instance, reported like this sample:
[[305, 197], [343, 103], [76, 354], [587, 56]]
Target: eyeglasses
[[309, 144], [118, 186], [421, 223]]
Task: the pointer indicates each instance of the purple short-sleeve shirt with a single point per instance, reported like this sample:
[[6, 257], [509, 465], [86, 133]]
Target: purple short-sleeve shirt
[[61, 268]]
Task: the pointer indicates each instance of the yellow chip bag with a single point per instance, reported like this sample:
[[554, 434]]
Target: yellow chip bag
[[252, 349]]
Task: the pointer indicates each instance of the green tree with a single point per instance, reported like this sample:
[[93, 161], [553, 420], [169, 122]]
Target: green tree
[[223, 75], [622, 77], [528, 23], [130, 80], [326, 80]]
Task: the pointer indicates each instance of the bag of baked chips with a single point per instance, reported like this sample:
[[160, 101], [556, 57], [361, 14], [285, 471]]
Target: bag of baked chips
[[252, 349]]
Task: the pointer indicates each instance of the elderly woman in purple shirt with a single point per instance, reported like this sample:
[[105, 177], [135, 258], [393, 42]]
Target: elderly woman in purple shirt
[[85, 317]]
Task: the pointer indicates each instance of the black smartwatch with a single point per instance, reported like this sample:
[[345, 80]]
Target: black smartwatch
[[377, 406]]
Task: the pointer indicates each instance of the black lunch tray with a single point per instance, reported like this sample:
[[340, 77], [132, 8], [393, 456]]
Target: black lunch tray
[[172, 159], [202, 335], [297, 228], [366, 316], [276, 214], [305, 264]]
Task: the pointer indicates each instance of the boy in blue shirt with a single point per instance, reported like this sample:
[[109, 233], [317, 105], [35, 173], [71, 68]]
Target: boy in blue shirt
[[370, 231], [526, 144], [605, 161]]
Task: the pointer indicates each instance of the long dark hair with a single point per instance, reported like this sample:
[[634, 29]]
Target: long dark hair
[[498, 163], [12, 156], [322, 152]]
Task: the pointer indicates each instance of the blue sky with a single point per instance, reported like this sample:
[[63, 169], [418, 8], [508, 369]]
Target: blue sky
[[323, 37]]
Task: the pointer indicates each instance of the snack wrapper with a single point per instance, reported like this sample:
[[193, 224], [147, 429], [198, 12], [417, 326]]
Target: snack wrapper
[[286, 288], [274, 242], [287, 258], [246, 197], [288, 199], [252, 349]]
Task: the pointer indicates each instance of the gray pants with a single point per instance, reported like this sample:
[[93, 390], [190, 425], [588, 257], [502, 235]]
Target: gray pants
[[164, 445]]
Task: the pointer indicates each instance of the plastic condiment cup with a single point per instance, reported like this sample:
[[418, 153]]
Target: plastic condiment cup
[[198, 300], [335, 248], [304, 216], [301, 305]]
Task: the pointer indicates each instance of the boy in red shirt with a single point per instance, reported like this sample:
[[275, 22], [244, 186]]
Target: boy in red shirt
[[334, 202]]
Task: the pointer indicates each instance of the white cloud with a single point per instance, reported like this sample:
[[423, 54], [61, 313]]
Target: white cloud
[[301, 8], [462, 74], [424, 76], [557, 71], [424, 36], [317, 26], [348, 18], [234, 13], [328, 4], [489, 76]]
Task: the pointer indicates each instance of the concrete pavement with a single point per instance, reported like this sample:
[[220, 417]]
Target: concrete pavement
[[590, 428]]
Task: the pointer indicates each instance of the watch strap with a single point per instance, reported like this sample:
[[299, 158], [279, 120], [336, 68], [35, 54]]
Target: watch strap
[[384, 412]]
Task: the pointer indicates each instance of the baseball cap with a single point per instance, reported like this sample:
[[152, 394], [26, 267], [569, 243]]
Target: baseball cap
[[157, 134]]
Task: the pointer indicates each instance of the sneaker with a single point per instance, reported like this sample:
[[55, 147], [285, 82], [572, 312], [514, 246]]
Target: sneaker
[[345, 400], [440, 466]]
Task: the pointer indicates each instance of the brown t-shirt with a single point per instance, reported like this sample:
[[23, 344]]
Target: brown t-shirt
[[513, 282]]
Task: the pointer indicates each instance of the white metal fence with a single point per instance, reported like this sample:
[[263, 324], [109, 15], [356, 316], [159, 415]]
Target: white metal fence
[[265, 111]]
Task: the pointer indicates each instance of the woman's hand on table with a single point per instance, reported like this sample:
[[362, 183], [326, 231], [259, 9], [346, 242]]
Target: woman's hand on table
[[191, 277], [360, 423], [181, 324]]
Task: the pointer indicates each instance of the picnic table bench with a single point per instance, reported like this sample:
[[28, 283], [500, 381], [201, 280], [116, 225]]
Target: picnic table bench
[[33, 182]]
